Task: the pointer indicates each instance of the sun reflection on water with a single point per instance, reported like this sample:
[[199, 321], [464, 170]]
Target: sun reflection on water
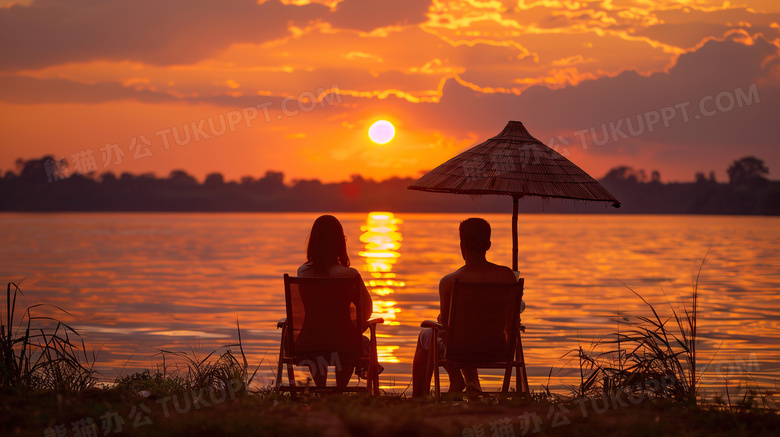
[[123, 288], [382, 240]]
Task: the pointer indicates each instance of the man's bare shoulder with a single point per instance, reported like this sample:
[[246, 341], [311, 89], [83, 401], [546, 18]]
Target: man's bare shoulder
[[504, 273], [450, 278], [484, 272]]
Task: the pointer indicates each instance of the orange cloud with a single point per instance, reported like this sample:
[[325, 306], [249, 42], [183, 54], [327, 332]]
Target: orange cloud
[[338, 64]]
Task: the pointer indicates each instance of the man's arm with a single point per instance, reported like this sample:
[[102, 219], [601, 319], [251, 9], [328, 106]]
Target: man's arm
[[509, 275]]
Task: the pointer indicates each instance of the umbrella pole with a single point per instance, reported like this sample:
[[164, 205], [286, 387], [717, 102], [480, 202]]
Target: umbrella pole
[[514, 232]]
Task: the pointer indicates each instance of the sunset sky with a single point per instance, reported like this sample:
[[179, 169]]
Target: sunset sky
[[241, 86]]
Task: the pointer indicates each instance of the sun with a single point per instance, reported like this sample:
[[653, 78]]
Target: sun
[[381, 132]]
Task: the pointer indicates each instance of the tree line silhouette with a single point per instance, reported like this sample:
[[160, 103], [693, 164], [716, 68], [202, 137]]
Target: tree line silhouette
[[40, 185]]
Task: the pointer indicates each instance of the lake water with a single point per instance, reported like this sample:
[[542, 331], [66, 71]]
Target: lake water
[[136, 283]]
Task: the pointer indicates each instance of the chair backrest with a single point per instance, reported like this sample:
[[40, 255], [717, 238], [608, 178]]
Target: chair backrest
[[325, 316], [483, 322]]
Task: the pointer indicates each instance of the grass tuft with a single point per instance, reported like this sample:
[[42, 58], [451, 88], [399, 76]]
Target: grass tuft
[[51, 356], [190, 372], [661, 350]]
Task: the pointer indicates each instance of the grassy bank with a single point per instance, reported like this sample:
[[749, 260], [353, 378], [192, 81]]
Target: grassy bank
[[645, 383], [113, 412]]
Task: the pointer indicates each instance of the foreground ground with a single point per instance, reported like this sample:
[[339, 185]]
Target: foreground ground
[[97, 412]]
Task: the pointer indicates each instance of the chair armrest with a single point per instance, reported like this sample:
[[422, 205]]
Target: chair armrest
[[371, 323], [431, 324], [281, 323]]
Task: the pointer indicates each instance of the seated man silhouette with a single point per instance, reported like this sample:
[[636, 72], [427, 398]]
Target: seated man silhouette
[[474, 243]]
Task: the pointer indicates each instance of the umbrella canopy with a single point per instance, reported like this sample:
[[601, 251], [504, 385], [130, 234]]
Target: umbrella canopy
[[514, 163], [517, 164]]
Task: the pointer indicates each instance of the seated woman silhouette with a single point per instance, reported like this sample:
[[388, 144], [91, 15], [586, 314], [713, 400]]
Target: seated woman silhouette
[[326, 256]]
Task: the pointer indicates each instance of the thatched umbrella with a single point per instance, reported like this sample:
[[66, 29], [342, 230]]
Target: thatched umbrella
[[516, 164]]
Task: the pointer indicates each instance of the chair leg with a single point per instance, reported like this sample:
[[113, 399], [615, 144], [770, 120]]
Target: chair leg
[[507, 379], [290, 366], [279, 374], [291, 379], [291, 374], [370, 375], [436, 386], [373, 378], [522, 375], [433, 360], [282, 350], [372, 383], [280, 367]]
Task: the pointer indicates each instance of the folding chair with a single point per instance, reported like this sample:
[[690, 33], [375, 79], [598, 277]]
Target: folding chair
[[483, 331], [323, 328]]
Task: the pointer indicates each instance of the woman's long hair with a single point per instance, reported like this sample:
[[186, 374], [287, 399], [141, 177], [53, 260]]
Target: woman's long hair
[[327, 245]]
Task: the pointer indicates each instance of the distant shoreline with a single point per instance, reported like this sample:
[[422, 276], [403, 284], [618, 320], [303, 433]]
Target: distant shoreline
[[37, 189]]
